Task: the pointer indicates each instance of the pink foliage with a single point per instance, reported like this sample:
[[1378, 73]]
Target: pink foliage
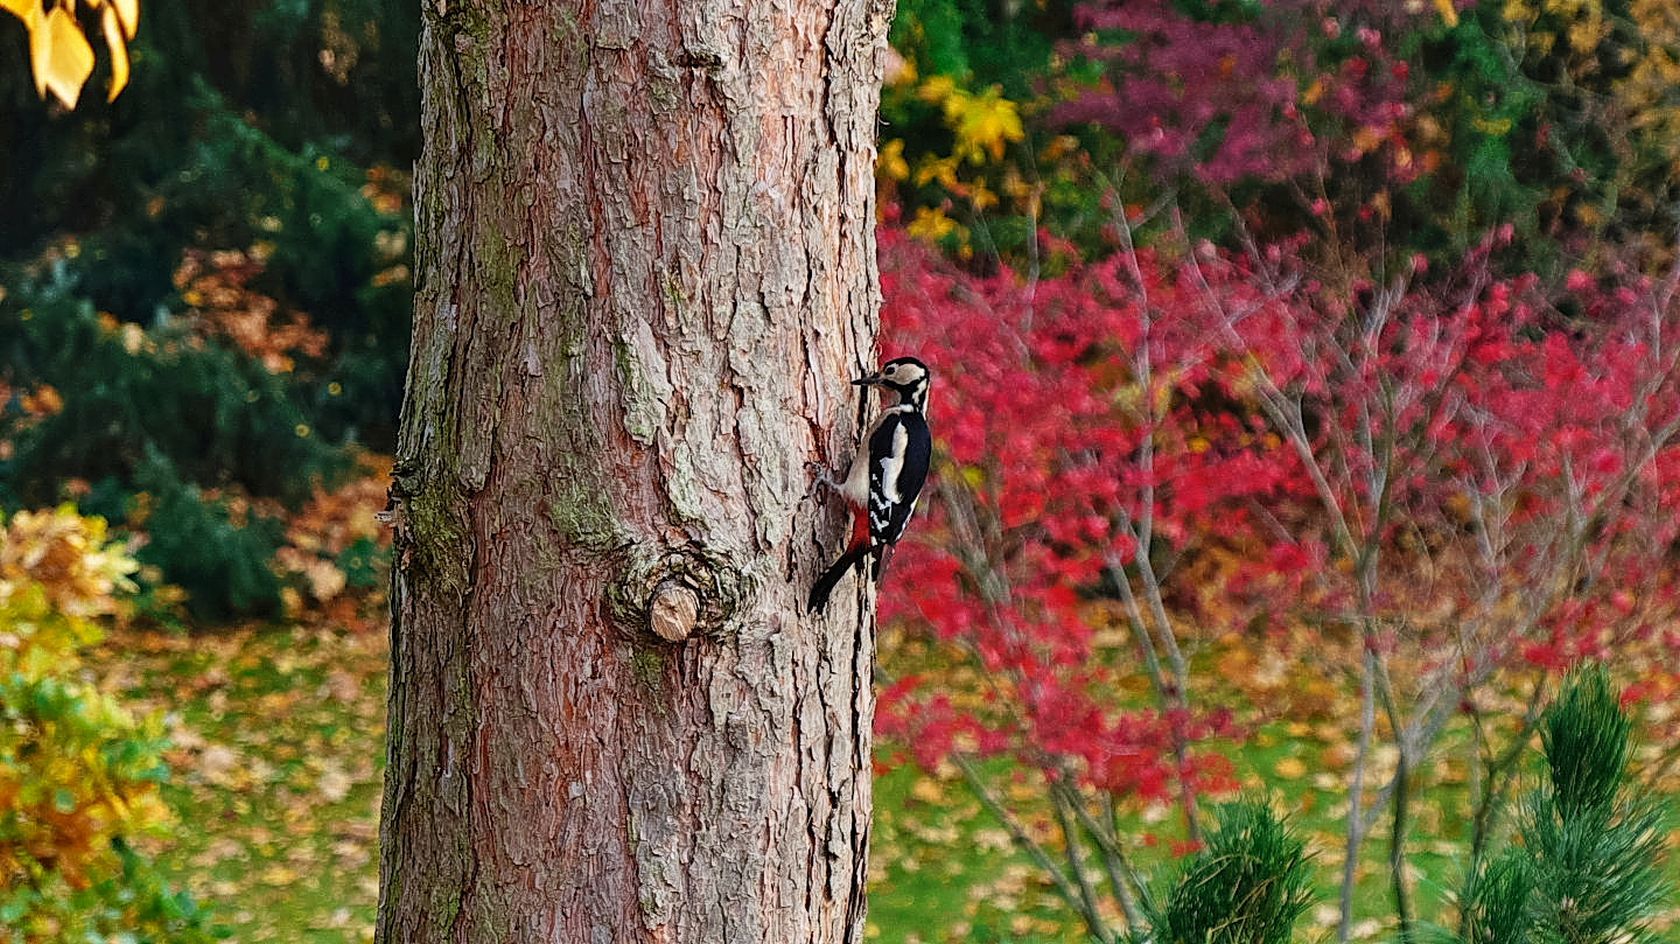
[[1470, 470], [1243, 91]]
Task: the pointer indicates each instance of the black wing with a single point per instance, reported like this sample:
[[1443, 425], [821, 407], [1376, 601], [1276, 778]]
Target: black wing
[[895, 480]]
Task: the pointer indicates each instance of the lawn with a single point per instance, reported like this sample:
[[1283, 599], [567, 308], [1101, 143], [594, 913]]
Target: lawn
[[278, 738], [278, 751]]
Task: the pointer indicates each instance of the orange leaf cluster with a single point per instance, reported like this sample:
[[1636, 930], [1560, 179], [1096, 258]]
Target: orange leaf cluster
[[320, 535], [217, 284]]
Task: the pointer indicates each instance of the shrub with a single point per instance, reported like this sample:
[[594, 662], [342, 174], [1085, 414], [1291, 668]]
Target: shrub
[[79, 772], [1180, 442], [1588, 867], [164, 429], [1249, 886]]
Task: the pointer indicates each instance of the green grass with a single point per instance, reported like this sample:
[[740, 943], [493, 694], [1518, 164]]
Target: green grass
[[958, 857], [942, 869], [279, 749], [278, 752]]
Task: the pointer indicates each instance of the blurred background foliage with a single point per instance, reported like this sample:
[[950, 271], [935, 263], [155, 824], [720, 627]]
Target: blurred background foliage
[[206, 281], [1010, 128], [206, 289]]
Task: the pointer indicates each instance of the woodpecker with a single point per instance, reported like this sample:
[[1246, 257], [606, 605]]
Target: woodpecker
[[886, 475]]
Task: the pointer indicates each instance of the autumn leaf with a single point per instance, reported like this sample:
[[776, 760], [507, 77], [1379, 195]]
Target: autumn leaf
[[129, 11], [114, 32], [62, 58], [60, 55], [1290, 768], [983, 123], [890, 163], [29, 11], [931, 225]]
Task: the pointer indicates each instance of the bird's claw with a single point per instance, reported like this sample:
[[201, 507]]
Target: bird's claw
[[820, 473]]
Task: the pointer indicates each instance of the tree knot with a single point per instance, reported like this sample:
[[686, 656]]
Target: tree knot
[[677, 594]]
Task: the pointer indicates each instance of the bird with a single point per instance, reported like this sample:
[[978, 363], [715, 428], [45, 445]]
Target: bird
[[885, 476]]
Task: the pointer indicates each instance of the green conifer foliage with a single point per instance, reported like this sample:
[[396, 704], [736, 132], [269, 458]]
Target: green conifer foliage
[[1494, 903], [1595, 843], [1587, 868], [1249, 886]]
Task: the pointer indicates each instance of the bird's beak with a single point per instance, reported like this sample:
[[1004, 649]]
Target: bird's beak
[[866, 381]]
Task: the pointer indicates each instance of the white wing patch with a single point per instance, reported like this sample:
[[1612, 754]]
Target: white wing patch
[[893, 463], [883, 501]]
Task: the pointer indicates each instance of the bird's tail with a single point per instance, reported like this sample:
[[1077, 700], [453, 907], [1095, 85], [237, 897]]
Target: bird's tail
[[825, 584]]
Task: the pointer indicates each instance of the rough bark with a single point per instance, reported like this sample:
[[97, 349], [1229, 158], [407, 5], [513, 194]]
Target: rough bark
[[645, 272]]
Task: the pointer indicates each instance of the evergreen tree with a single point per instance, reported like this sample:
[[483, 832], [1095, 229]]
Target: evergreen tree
[[1587, 868], [1248, 886]]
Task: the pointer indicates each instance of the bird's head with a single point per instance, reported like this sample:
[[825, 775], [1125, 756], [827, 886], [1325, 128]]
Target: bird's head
[[906, 376]]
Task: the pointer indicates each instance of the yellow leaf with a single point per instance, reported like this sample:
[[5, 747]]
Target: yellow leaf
[[941, 169], [1448, 11], [40, 50], [936, 89], [29, 11], [119, 52], [62, 58], [1368, 137], [1585, 36], [983, 123], [930, 225], [890, 163], [129, 11], [1496, 128], [928, 790], [1290, 768], [279, 876]]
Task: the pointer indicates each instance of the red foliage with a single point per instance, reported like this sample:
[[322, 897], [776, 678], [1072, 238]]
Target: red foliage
[[1042, 410], [1464, 472], [1243, 91]]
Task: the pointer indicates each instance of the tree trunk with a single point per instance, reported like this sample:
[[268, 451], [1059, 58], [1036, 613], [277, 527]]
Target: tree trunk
[[645, 272]]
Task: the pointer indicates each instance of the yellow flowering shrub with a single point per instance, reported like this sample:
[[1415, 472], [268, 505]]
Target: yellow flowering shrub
[[79, 772], [982, 124]]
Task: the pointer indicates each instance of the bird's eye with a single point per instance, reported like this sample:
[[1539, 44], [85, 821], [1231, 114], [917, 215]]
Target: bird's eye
[[892, 369]]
